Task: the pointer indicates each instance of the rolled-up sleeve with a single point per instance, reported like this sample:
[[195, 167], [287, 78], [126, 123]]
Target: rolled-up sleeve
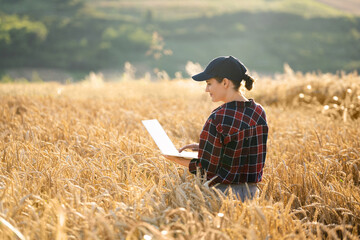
[[210, 149], [193, 165]]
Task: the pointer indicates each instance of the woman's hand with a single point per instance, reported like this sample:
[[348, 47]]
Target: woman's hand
[[179, 160], [194, 147]]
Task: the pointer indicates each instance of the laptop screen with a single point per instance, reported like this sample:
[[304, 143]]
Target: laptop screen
[[163, 141]]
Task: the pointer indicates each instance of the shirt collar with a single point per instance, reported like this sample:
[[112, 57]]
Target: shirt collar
[[239, 104]]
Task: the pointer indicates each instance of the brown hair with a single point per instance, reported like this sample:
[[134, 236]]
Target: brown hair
[[249, 82]]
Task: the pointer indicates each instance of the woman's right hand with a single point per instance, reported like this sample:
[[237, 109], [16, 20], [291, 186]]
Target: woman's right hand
[[194, 147]]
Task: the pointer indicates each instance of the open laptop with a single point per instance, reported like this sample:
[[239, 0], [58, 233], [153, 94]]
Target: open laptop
[[163, 141]]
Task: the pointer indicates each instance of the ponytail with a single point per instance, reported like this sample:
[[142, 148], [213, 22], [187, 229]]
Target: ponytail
[[249, 82]]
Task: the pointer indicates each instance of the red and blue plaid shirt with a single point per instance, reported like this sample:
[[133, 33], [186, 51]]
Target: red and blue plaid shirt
[[233, 144]]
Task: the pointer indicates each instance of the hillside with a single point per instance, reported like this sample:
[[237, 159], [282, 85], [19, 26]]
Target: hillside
[[164, 35], [351, 6]]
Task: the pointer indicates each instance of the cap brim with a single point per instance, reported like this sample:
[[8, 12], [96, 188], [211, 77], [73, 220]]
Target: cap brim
[[202, 76]]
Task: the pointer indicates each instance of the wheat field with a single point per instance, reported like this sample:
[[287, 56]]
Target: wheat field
[[76, 162]]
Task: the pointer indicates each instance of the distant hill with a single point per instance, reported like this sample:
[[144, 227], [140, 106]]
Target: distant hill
[[163, 35], [351, 6]]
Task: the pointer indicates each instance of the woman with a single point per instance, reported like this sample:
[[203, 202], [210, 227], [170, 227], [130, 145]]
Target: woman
[[232, 146]]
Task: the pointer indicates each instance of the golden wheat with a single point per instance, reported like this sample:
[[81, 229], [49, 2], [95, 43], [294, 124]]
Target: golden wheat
[[76, 163]]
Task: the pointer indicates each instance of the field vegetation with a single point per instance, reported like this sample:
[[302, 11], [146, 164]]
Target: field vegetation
[[76, 162]]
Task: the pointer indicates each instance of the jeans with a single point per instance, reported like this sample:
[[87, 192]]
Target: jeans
[[240, 190]]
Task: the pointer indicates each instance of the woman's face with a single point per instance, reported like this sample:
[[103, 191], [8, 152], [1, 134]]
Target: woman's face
[[217, 90]]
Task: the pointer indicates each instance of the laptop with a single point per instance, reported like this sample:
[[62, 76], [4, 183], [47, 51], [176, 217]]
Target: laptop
[[163, 141]]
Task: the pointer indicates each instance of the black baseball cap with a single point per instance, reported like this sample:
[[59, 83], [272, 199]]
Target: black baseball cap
[[224, 67]]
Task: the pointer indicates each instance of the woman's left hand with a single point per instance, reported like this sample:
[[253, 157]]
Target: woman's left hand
[[179, 160]]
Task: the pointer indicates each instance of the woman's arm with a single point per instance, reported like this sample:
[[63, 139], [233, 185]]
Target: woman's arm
[[183, 161], [179, 160], [210, 149]]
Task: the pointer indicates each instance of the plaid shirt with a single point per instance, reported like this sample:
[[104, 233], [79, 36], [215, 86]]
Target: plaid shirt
[[233, 144]]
